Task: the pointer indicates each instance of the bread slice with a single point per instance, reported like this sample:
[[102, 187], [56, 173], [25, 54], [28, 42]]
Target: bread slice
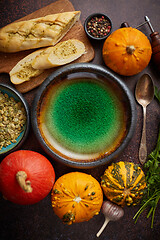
[[23, 70], [36, 33], [35, 63], [62, 53]]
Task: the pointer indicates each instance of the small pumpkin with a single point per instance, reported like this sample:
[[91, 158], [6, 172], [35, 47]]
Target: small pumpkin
[[127, 51], [124, 183], [26, 177], [76, 197]]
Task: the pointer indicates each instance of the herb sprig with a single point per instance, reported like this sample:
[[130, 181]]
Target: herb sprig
[[152, 172]]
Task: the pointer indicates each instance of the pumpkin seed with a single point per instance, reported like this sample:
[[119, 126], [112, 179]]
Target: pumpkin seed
[[12, 119]]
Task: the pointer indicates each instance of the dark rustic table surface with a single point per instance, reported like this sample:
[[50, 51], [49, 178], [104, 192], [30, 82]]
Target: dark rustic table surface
[[38, 222]]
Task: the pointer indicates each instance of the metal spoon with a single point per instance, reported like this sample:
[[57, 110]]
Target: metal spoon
[[144, 94]]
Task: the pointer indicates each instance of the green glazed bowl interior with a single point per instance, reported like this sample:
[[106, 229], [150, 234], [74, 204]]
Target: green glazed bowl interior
[[12, 92], [77, 104]]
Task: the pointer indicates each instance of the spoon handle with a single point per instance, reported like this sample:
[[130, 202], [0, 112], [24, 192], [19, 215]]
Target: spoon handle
[[143, 147]]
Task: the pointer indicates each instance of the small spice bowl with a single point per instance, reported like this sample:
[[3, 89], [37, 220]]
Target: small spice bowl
[[14, 119], [98, 26]]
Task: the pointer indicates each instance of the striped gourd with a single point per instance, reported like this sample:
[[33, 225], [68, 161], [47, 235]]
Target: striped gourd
[[124, 183]]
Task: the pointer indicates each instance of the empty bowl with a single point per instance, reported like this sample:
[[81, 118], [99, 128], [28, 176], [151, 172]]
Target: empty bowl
[[83, 115]]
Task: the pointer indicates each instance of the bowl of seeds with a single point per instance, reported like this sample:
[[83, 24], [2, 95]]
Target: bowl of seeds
[[98, 26], [14, 119]]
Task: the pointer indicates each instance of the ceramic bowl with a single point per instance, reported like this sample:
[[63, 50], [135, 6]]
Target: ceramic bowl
[[83, 115], [92, 29], [12, 92]]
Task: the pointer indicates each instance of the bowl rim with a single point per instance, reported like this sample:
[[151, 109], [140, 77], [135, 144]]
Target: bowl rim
[[26, 106], [93, 15], [83, 67]]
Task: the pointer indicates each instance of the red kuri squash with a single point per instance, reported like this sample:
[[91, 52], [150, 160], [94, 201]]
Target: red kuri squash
[[26, 177]]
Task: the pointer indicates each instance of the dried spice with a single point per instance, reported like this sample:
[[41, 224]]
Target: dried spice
[[12, 119], [98, 27]]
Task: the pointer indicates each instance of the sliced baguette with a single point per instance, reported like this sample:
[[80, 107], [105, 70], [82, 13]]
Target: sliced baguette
[[23, 70], [62, 53], [38, 32]]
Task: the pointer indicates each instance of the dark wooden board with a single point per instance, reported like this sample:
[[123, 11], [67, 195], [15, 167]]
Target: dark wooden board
[[9, 60]]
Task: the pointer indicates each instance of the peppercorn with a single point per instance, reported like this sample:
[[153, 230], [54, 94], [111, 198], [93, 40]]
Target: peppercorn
[[98, 26]]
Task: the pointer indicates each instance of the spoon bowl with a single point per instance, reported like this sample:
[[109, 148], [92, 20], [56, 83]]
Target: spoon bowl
[[144, 94], [144, 90]]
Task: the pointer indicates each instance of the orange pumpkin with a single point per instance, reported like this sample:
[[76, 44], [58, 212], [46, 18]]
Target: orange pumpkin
[[76, 197], [127, 51]]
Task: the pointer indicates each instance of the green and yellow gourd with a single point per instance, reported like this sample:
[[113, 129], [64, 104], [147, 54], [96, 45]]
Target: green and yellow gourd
[[124, 183]]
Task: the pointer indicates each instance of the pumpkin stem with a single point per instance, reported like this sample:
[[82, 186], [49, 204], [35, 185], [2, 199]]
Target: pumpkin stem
[[21, 177], [130, 49]]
